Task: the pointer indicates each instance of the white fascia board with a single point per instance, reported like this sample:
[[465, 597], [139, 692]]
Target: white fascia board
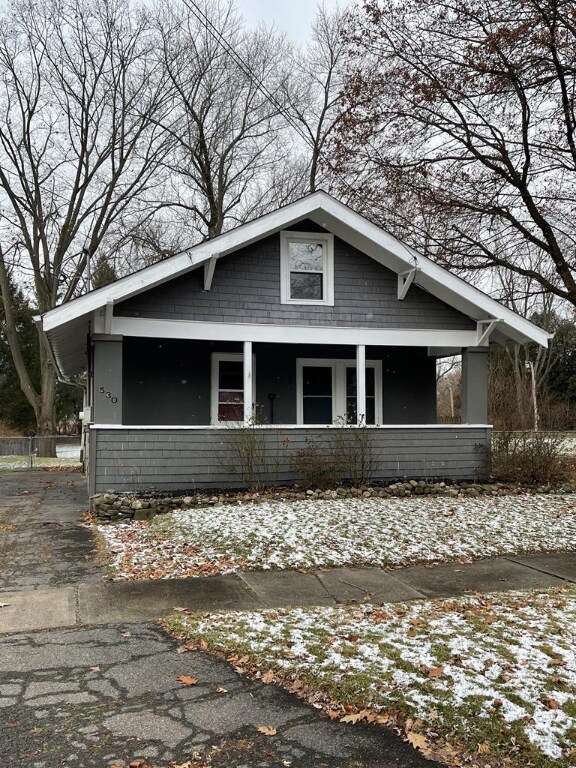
[[175, 266], [396, 255], [290, 334]]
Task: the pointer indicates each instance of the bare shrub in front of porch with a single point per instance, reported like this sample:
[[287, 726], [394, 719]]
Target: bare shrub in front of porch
[[357, 455], [317, 465], [529, 457]]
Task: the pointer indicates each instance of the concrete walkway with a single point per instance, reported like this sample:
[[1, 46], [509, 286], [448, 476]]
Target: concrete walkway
[[90, 604]]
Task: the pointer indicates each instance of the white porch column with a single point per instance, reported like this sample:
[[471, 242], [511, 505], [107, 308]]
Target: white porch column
[[360, 384], [248, 405]]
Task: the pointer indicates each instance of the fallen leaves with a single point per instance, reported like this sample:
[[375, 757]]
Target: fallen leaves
[[267, 730], [187, 680]]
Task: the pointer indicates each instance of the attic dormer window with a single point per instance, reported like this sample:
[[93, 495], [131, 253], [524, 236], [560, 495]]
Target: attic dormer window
[[307, 268]]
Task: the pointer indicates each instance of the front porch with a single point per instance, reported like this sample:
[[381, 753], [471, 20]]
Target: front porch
[[173, 413]]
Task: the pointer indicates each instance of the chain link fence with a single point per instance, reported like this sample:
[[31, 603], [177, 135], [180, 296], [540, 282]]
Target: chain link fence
[[49, 452]]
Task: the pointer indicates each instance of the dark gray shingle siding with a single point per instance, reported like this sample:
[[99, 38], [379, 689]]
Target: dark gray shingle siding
[[246, 288]]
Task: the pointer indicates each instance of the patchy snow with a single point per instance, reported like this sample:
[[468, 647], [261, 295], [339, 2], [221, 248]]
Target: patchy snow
[[466, 666], [331, 533]]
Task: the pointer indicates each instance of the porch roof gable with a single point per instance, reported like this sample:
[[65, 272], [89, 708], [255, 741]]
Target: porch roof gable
[[333, 216]]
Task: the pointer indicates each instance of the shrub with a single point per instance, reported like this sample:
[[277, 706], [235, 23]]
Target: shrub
[[357, 457], [317, 465], [528, 457]]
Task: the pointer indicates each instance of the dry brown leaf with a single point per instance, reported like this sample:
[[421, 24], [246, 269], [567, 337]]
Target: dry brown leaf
[[94, 669], [187, 680], [220, 689], [267, 730], [436, 672], [483, 748], [125, 634], [268, 677], [550, 703], [203, 644], [185, 647], [417, 740], [179, 609], [356, 717]]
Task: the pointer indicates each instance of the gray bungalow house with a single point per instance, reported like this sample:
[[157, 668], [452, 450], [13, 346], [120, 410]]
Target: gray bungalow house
[[245, 348]]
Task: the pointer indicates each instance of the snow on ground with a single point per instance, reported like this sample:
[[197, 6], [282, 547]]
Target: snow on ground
[[23, 462], [498, 672], [330, 533]]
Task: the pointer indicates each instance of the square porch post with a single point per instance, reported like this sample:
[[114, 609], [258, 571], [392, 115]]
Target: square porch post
[[474, 385], [247, 384], [360, 384]]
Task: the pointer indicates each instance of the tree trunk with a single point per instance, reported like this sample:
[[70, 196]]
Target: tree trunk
[[45, 410]]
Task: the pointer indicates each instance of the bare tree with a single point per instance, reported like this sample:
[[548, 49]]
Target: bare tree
[[462, 113], [315, 91], [79, 151], [224, 119]]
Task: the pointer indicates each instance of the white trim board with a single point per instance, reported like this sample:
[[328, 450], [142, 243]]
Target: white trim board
[[280, 427], [291, 334]]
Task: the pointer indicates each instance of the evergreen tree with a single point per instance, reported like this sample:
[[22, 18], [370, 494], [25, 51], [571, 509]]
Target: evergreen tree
[[15, 409], [104, 273]]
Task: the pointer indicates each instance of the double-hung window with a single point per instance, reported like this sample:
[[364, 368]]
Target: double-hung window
[[227, 394], [327, 391], [306, 268]]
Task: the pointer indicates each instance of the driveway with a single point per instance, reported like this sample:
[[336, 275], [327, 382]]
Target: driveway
[[43, 541], [98, 696]]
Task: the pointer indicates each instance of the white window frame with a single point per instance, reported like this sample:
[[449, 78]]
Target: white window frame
[[326, 240], [217, 358], [338, 386]]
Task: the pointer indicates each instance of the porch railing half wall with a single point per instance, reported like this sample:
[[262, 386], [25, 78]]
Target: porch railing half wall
[[132, 458]]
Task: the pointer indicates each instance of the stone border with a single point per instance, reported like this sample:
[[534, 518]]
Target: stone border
[[113, 506]]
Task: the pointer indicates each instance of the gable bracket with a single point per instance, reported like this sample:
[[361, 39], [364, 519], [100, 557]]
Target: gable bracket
[[484, 328], [209, 268], [405, 280]]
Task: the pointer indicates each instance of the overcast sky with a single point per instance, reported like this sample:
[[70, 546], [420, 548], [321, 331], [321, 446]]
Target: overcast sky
[[294, 17]]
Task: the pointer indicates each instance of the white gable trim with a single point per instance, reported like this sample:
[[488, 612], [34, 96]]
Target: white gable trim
[[340, 221]]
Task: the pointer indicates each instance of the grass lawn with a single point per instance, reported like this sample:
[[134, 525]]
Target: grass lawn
[[489, 680], [23, 462], [310, 534]]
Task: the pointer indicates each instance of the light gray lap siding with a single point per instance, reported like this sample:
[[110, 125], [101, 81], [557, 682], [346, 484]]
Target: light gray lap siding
[[246, 288], [172, 459]]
